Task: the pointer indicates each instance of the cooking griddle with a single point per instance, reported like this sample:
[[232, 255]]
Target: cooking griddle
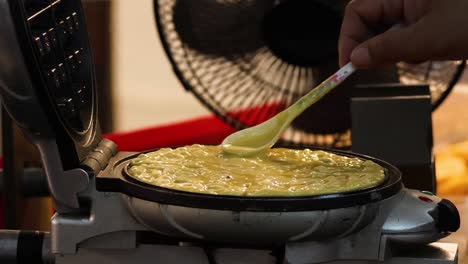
[[117, 179]]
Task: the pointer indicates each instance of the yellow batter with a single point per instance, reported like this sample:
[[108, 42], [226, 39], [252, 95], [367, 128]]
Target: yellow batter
[[279, 172]]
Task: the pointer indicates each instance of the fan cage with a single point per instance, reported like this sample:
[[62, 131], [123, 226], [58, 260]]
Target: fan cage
[[246, 88]]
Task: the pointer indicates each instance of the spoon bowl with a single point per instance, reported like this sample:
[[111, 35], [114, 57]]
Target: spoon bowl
[[256, 139], [259, 138]]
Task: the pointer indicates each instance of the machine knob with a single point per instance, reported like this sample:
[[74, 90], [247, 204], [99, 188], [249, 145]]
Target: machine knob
[[448, 216]]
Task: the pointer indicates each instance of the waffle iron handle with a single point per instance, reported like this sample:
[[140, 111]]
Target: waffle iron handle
[[25, 247], [448, 218]]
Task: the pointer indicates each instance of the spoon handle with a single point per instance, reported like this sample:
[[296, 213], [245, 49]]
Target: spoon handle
[[322, 89]]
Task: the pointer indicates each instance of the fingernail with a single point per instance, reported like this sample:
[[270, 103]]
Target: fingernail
[[361, 56]]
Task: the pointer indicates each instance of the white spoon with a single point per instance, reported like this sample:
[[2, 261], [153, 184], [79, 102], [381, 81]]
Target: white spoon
[[263, 136]]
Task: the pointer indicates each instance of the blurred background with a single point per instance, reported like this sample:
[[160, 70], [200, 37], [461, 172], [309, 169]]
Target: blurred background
[[137, 89], [146, 91]]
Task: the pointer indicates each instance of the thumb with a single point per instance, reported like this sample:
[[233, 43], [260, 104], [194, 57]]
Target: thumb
[[389, 47]]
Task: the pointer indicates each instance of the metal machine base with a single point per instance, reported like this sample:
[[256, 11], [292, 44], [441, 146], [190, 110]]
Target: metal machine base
[[112, 235], [436, 253]]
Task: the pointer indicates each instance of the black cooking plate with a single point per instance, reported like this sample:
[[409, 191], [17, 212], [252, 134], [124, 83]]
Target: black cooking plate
[[115, 179]]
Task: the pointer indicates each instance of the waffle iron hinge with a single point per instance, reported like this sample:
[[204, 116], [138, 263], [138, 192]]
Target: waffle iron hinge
[[66, 185], [98, 158]]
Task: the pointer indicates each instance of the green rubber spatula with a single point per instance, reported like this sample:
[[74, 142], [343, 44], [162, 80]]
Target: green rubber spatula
[[259, 138]]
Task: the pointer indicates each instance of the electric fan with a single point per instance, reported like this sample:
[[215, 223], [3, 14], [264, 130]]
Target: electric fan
[[246, 60]]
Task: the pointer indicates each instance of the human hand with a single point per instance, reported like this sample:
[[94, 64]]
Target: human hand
[[433, 30]]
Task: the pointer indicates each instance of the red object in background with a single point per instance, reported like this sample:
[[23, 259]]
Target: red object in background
[[205, 130]]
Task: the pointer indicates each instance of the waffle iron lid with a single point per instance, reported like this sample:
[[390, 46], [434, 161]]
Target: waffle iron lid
[[47, 75]]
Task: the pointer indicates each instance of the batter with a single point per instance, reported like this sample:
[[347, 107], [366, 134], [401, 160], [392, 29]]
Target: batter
[[278, 172]]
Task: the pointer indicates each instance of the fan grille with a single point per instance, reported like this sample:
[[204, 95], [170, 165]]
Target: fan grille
[[219, 54], [441, 76]]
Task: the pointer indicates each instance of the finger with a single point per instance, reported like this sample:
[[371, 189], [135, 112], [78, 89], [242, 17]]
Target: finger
[[406, 44], [353, 32], [361, 19]]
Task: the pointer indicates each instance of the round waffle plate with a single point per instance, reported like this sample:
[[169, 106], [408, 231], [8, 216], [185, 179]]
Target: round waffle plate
[[120, 181]]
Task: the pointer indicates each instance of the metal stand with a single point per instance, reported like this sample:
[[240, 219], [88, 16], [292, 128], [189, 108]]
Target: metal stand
[[436, 253], [393, 122], [34, 247]]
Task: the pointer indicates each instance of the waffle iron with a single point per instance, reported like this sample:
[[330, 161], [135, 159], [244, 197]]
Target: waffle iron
[[104, 216]]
